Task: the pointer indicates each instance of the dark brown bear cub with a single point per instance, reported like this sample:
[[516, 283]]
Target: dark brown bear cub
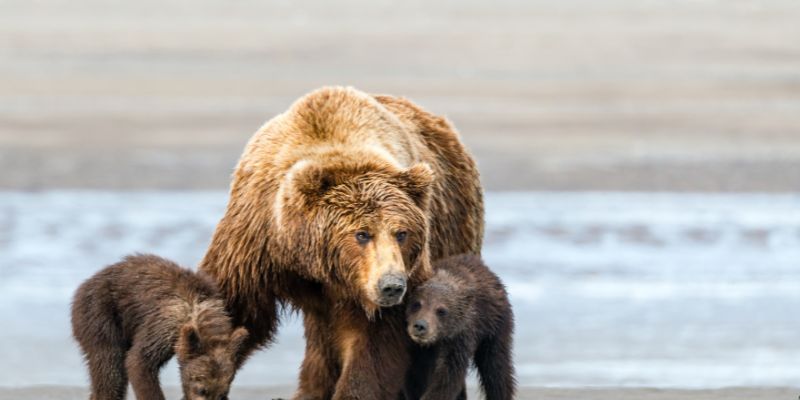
[[131, 317], [460, 314]]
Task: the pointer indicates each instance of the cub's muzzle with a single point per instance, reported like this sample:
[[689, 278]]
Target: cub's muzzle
[[420, 332]]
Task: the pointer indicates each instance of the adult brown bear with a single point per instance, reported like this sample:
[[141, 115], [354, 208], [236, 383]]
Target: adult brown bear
[[337, 206]]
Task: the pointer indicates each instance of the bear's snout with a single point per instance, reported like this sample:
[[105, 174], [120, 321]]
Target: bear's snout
[[391, 288], [420, 327], [420, 331]]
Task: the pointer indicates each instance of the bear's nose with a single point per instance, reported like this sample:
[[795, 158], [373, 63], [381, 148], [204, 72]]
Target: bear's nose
[[420, 326], [392, 287]]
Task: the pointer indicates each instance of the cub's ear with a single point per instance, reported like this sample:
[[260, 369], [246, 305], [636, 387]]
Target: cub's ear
[[417, 181], [237, 339], [188, 342]]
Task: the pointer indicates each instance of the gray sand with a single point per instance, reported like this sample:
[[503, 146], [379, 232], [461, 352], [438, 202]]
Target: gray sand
[[247, 393], [615, 95]]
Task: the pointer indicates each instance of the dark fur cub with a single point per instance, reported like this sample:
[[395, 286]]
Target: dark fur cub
[[131, 317], [462, 314]]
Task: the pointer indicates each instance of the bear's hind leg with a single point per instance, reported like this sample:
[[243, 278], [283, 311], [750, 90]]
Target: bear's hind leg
[[107, 372], [496, 369], [96, 328]]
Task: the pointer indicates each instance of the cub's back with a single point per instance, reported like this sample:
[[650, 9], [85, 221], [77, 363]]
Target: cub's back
[[148, 279], [472, 270], [140, 289], [489, 295]]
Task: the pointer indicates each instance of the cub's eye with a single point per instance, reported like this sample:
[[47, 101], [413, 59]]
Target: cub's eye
[[363, 237], [401, 236], [441, 312], [415, 306]]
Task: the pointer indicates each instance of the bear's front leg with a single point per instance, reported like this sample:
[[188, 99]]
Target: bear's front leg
[[143, 362], [374, 358], [319, 371], [143, 375]]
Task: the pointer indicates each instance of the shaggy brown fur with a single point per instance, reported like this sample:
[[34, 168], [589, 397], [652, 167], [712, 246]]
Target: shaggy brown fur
[[460, 314], [131, 317], [336, 208]]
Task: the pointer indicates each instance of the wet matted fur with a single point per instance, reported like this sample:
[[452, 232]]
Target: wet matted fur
[[331, 199], [460, 316], [131, 317]]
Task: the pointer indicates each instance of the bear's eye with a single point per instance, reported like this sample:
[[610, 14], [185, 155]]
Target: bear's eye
[[401, 236], [441, 312], [363, 237], [415, 306]]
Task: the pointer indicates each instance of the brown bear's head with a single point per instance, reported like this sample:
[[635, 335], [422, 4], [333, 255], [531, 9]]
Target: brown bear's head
[[360, 229], [208, 364], [438, 309]]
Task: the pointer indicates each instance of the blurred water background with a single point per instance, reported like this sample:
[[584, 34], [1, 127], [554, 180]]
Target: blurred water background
[[637, 289]]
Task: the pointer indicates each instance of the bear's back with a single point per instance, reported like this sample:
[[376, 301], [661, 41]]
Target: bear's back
[[484, 287], [144, 289]]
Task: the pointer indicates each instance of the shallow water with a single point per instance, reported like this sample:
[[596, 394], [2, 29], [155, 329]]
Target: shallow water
[[681, 290]]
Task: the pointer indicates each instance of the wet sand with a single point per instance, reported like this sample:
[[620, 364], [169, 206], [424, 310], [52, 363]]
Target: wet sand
[[75, 393], [577, 95]]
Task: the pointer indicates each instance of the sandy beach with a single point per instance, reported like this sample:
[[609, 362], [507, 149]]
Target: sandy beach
[[574, 95]]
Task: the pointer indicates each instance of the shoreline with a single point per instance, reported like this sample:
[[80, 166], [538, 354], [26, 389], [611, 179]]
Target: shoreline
[[45, 392]]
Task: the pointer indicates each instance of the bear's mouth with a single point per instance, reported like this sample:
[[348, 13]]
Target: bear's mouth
[[388, 302], [423, 339]]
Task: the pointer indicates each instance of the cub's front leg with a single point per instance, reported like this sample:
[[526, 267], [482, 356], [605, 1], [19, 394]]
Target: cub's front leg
[[143, 362], [449, 372]]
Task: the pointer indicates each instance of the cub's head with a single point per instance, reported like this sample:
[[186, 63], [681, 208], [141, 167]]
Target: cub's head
[[438, 309], [208, 364], [361, 230]]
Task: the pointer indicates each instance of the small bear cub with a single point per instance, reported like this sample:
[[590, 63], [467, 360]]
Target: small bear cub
[[461, 314], [133, 316]]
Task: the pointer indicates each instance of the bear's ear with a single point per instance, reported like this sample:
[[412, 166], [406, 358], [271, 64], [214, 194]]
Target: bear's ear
[[417, 181], [237, 339], [313, 181], [188, 342]]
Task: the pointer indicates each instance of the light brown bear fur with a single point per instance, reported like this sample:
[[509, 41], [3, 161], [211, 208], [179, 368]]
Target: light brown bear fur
[[339, 162]]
